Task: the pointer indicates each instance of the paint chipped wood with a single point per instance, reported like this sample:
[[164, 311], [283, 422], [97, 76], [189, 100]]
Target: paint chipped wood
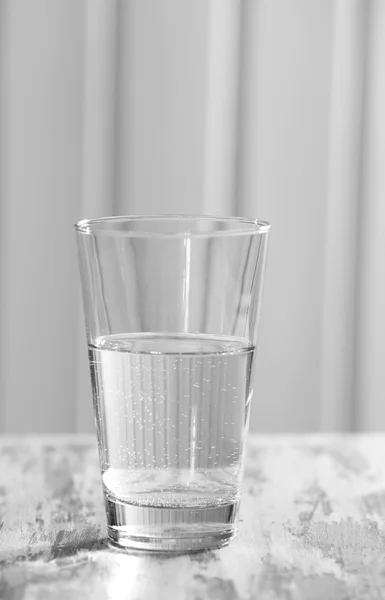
[[312, 526]]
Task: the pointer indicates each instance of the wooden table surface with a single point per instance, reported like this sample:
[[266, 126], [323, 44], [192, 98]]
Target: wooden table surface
[[311, 526]]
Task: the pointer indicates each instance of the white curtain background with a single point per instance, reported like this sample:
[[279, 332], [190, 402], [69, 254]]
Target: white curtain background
[[266, 108]]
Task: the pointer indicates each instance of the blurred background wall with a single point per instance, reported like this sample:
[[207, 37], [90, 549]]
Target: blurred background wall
[[268, 108]]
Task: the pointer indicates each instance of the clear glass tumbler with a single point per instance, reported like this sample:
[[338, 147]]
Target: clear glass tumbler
[[171, 308]]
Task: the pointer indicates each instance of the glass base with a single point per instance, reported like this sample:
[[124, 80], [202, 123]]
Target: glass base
[[164, 529]]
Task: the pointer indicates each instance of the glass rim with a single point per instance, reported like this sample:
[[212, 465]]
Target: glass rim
[[249, 226]]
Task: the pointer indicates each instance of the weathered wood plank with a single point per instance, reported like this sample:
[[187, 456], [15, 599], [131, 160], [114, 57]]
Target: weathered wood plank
[[312, 526]]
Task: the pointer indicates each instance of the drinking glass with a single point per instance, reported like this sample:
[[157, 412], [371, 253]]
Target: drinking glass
[[171, 309]]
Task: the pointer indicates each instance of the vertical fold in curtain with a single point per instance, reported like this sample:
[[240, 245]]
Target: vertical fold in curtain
[[342, 203], [222, 110], [370, 318]]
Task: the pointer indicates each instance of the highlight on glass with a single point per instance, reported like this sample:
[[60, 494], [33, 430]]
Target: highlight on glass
[[171, 306]]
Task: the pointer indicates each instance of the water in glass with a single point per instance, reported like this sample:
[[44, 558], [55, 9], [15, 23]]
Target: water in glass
[[172, 417]]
